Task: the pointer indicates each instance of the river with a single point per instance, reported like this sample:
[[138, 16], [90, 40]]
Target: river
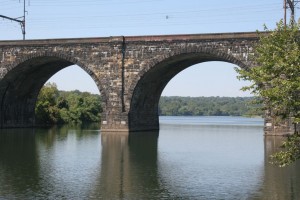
[[189, 158]]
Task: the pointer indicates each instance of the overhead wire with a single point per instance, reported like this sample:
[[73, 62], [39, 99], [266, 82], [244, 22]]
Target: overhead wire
[[174, 13], [151, 17], [228, 8]]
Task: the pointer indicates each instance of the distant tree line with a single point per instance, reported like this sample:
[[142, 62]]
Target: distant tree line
[[60, 107], [209, 106]]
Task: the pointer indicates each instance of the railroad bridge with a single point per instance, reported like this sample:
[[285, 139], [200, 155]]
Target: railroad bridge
[[130, 72]]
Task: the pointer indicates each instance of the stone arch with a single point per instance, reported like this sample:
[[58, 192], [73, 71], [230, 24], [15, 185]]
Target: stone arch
[[23, 80], [150, 82], [71, 59]]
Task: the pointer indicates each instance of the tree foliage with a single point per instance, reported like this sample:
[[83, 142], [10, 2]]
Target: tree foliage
[[290, 154], [276, 79], [208, 106], [58, 107]]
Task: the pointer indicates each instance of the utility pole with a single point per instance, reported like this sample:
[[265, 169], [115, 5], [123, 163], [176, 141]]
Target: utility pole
[[291, 4], [284, 7], [22, 22]]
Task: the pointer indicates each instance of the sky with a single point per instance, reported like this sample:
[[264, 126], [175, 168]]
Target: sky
[[47, 19]]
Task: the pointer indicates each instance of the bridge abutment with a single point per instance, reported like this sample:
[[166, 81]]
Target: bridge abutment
[[276, 126]]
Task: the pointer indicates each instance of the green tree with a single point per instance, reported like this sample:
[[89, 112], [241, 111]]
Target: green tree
[[46, 111], [290, 154], [54, 106], [276, 78]]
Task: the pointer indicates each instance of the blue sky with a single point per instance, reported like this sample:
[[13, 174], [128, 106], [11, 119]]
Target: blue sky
[[101, 18]]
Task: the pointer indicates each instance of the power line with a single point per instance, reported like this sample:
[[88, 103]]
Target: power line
[[173, 14], [22, 22], [146, 16], [290, 4]]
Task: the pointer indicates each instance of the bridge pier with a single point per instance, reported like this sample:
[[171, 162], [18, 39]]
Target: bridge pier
[[129, 122], [17, 116], [143, 121], [114, 122], [16, 108]]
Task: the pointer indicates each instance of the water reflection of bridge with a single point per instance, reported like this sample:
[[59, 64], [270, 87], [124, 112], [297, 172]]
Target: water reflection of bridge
[[132, 168], [129, 167]]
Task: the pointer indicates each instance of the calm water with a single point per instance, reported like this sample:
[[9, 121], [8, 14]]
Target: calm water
[[190, 158]]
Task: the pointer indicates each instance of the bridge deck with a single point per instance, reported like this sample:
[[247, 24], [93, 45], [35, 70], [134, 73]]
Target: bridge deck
[[208, 36]]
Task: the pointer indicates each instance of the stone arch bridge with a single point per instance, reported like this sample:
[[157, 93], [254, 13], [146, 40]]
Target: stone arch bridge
[[130, 72]]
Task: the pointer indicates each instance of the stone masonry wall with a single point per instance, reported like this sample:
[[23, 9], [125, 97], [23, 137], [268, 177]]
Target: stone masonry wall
[[130, 72]]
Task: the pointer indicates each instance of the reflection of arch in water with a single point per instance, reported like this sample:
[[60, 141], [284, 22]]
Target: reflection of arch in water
[[151, 81], [128, 167], [19, 163], [21, 85]]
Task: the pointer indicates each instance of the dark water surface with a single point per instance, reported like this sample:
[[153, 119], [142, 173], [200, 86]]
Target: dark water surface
[[190, 158]]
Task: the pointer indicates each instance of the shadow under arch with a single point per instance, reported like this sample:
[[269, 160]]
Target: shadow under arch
[[20, 86], [143, 113]]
